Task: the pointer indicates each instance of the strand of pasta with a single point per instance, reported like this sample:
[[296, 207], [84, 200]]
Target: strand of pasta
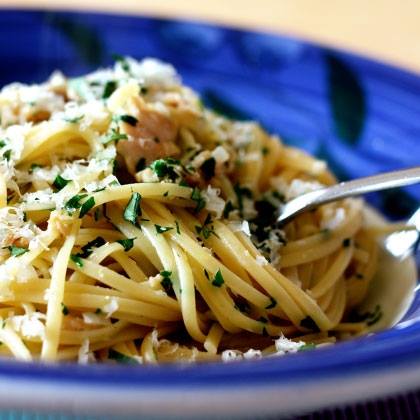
[[55, 296]]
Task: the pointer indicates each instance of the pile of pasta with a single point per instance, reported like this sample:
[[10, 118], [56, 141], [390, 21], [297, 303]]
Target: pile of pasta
[[138, 226]]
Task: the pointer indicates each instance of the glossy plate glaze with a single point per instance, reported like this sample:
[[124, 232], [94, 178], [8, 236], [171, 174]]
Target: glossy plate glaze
[[359, 115]]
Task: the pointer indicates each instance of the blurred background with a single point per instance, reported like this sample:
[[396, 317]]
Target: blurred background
[[384, 29]]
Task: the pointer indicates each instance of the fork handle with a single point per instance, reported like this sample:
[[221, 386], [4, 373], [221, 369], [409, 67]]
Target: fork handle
[[346, 189]]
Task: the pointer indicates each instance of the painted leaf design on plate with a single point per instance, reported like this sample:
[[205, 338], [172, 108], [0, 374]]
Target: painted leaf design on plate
[[223, 106], [85, 39], [347, 99]]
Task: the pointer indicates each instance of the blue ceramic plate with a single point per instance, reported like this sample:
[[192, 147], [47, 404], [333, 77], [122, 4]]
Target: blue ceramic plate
[[361, 116]]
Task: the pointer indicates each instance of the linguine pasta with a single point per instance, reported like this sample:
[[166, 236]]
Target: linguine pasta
[[138, 226]]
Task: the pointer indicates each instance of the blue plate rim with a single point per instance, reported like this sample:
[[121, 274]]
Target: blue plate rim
[[389, 352]]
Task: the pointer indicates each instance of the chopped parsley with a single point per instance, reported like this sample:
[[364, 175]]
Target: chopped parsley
[[162, 229], [199, 200], [64, 309], [206, 230], [143, 90], [129, 119], [141, 164], [17, 251], [165, 167], [34, 167], [122, 61], [133, 210], [228, 208], [309, 324], [74, 203], [121, 358], [60, 182], [206, 273], [370, 318], [127, 243], [109, 89], [86, 206], [166, 282], [177, 227], [115, 135], [98, 311], [208, 168], [77, 260], [272, 303], [7, 154], [242, 192], [86, 250], [265, 150], [307, 346], [218, 279], [263, 320]]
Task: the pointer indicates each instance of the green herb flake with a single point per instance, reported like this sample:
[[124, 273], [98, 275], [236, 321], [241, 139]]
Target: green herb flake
[[122, 61], [242, 192], [228, 208], [74, 203], [127, 243], [208, 168], [309, 324], [166, 282], [133, 210], [177, 227], [87, 249], [7, 154], [165, 167], [109, 89], [86, 206], [17, 251], [265, 150], [77, 260], [34, 167], [263, 320], [114, 136], [218, 279], [162, 229], [121, 358], [272, 303], [143, 90], [60, 182], [64, 309], [307, 346], [98, 311], [129, 119], [199, 200]]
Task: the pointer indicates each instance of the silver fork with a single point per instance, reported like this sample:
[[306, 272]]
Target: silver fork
[[357, 187]]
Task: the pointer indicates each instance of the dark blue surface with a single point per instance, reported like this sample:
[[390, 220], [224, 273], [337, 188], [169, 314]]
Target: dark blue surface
[[363, 117]]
